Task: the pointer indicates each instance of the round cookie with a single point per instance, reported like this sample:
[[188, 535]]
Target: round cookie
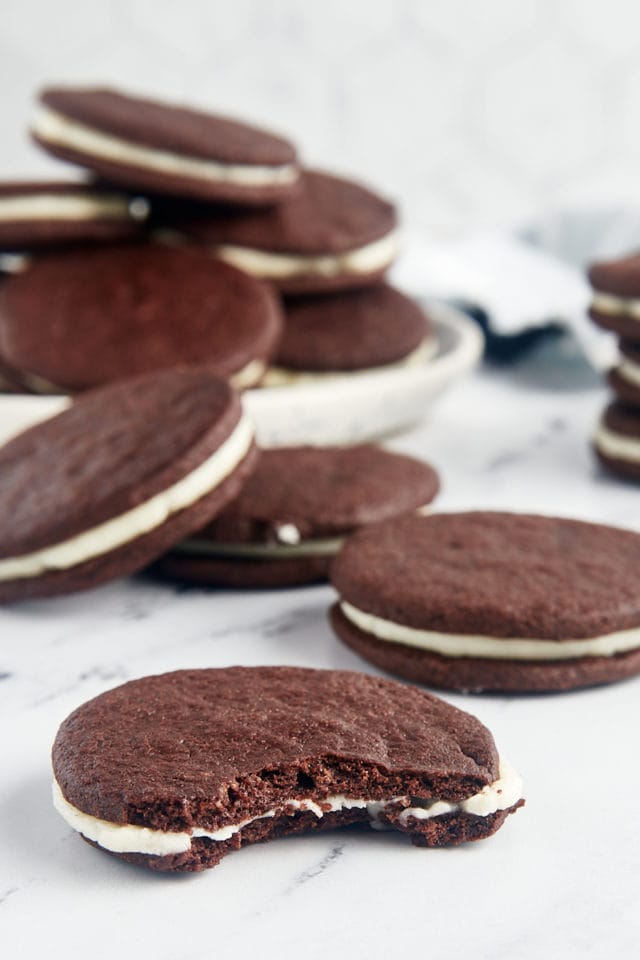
[[616, 298], [360, 330], [617, 440], [80, 318], [177, 770], [292, 515], [152, 146], [624, 379], [330, 234], [44, 214], [492, 601], [109, 484]]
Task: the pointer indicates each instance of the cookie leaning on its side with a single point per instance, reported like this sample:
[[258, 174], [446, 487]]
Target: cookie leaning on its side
[[80, 318], [492, 601], [188, 766], [105, 487]]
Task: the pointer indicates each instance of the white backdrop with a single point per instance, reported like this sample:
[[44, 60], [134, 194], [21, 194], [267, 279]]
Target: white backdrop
[[464, 111]]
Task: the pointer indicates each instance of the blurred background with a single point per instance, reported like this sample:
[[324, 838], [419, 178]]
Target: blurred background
[[466, 113]]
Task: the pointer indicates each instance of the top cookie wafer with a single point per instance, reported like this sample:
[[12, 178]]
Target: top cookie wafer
[[160, 147]]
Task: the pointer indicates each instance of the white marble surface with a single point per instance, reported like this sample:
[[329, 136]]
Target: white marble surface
[[466, 112], [559, 880]]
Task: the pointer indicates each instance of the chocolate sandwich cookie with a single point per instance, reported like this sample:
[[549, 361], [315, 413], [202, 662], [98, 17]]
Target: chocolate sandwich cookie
[[360, 330], [616, 297], [625, 377], [177, 770], [492, 601], [46, 214], [116, 479], [80, 318], [330, 234], [153, 146], [293, 513], [617, 440]]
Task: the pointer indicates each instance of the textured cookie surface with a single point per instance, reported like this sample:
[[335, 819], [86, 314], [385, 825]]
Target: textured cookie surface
[[298, 495], [41, 214], [511, 575], [113, 450], [325, 216], [211, 749], [351, 331], [85, 317], [172, 129], [477, 581]]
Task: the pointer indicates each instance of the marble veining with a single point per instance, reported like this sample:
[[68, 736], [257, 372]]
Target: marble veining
[[560, 877]]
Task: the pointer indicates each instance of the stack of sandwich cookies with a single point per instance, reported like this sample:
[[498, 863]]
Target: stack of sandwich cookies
[[357, 331], [616, 306], [329, 234], [152, 146], [44, 214], [293, 513], [80, 318], [492, 601], [115, 480], [182, 773]]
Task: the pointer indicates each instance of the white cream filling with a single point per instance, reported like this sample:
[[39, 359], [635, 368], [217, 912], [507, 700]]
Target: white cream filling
[[289, 545], [260, 551], [616, 445], [281, 266], [285, 377], [247, 376], [127, 838], [141, 519], [616, 306], [491, 648], [57, 129], [64, 207], [629, 371]]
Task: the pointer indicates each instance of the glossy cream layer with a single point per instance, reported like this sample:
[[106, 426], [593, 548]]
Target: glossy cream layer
[[285, 377], [59, 207], [617, 445], [57, 129], [616, 306], [492, 648], [284, 266], [127, 838], [140, 520]]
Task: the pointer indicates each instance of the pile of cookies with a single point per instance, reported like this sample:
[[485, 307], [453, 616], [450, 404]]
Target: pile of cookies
[[616, 306], [217, 248], [222, 265]]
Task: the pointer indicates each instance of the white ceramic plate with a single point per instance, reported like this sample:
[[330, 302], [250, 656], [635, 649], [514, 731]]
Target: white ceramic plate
[[359, 407]]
